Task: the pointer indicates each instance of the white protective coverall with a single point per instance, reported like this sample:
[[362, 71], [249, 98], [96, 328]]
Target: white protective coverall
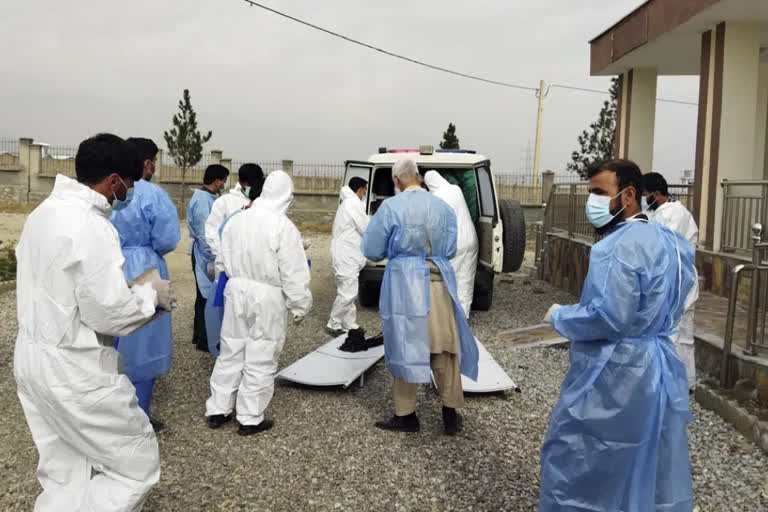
[[465, 262], [676, 217], [262, 253], [347, 258], [72, 299], [222, 208]]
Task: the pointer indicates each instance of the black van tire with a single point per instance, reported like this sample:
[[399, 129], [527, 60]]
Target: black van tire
[[482, 298], [513, 219]]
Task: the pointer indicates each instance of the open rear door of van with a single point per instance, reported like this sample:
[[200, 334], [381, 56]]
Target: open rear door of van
[[488, 215], [359, 169]]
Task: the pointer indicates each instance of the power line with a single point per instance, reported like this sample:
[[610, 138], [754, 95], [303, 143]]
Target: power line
[[584, 89], [386, 52], [253, 3]]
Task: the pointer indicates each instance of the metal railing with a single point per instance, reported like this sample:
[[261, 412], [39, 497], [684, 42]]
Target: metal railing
[[566, 209], [744, 204], [757, 311], [521, 187]]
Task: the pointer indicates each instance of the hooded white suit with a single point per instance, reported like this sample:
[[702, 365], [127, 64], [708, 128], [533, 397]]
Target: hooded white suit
[[676, 217], [262, 253], [72, 299], [347, 258], [465, 262], [222, 208]]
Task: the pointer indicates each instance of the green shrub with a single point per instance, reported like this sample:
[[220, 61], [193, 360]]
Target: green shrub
[[7, 261]]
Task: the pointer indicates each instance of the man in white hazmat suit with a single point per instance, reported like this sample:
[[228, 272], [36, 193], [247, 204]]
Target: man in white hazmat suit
[[72, 300], [465, 262], [347, 258], [672, 214], [249, 175], [262, 253]]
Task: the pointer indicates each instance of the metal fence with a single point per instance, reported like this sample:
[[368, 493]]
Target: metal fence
[[9, 154], [58, 160], [521, 187], [744, 203], [171, 172]]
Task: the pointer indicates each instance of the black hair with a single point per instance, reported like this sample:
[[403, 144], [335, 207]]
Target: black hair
[[356, 183], [146, 148], [248, 173], [215, 172], [655, 182], [627, 174], [105, 154]]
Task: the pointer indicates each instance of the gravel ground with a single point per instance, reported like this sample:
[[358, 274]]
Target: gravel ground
[[324, 453]]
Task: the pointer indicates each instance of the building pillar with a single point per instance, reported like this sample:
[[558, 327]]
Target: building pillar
[[288, 167], [216, 155], [636, 116], [729, 108]]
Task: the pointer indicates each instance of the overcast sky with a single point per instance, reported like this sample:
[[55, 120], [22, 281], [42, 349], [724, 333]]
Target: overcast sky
[[272, 89]]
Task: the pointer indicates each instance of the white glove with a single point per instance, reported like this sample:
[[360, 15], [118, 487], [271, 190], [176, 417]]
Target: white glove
[[210, 270], [297, 319], [164, 296], [552, 309]]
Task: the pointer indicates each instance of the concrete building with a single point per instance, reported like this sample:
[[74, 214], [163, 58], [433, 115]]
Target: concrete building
[[725, 43]]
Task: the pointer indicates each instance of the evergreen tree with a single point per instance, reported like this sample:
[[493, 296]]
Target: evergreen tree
[[450, 140], [597, 143], [184, 141]]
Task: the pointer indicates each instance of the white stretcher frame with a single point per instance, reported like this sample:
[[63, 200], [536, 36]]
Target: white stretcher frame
[[329, 366]]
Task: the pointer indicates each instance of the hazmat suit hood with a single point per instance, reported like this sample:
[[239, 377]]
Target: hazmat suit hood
[[347, 193], [277, 193], [66, 188], [435, 181]]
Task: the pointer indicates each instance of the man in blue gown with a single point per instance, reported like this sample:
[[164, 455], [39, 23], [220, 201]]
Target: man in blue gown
[[199, 208], [148, 229], [617, 437], [424, 325]]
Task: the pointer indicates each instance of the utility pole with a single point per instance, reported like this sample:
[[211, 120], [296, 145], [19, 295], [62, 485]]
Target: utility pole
[[539, 120]]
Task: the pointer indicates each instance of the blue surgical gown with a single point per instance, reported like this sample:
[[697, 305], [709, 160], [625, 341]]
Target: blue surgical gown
[[617, 437], [148, 229], [399, 231], [197, 213]]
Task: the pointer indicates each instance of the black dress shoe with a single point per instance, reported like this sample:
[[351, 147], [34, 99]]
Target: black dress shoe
[[218, 420], [249, 430], [408, 423], [157, 425], [452, 421]]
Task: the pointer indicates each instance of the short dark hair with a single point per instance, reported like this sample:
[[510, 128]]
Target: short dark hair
[[627, 174], [146, 148], [356, 183], [249, 174], [105, 154], [215, 172], [655, 182]]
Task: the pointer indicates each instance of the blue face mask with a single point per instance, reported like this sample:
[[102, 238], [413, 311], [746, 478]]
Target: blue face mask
[[118, 204], [644, 203], [599, 209]]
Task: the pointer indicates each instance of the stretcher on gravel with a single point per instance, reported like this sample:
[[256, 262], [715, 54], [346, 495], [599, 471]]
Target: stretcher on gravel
[[491, 378], [329, 366]]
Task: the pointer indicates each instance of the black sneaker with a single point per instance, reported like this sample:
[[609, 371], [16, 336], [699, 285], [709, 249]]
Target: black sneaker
[[157, 425], [408, 423], [249, 430], [218, 420], [335, 332], [452, 421]]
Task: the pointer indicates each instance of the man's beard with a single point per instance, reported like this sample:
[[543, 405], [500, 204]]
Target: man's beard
[[617, 219]]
